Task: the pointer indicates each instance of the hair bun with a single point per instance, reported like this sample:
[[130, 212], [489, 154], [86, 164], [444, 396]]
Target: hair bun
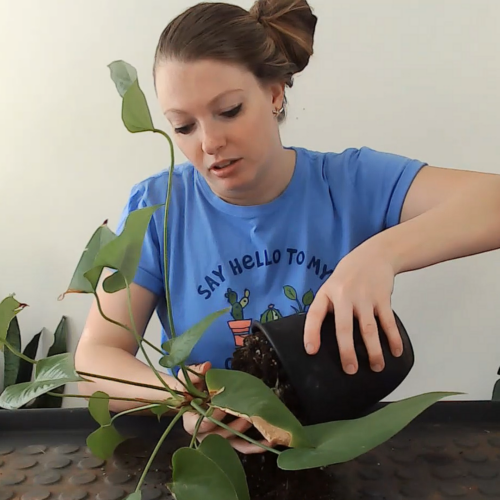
[[291, 24]]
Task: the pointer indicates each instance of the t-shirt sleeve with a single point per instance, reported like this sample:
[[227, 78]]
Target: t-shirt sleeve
[[149, 270], [371, 186]]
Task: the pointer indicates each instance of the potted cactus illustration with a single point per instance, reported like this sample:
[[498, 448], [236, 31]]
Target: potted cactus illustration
[[307, 298], [239, 326], [270, 314]]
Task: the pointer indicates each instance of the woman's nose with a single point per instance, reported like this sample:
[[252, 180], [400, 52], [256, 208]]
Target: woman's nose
[[212, 141]]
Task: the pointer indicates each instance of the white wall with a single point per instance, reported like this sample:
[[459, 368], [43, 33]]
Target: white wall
[[419, 78]]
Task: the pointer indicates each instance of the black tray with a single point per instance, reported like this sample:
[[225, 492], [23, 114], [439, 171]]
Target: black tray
[[450, 451]]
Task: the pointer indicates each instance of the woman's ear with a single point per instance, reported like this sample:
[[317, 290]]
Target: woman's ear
[[277, 95]]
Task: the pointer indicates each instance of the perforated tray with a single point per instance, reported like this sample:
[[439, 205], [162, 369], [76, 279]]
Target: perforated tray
[[450, 451]]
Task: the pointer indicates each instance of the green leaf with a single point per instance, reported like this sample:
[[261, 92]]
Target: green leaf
[[214, 469], [308, 298], [49, 373], [290, 292], [135, 110], [180, 347], [123, 74], [79, 282], [12, 362], [137, 495], [9, 308], [169, 405], [496, 391], [124, 252], [99, 408], [342, 441], [25, 372], [59, 346], [244, 395], [104, 441]]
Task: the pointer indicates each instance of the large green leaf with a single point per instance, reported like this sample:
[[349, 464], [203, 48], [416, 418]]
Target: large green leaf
[[102, 442], [180, 347], [12, 362], [50, 373], [59, 346], [9, 308], [213, 469], [135, 111], [244, 395], [79, 282], [123, 252], [341, 441]]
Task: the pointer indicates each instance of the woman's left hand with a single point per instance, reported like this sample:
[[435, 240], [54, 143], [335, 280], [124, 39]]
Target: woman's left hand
[[361, 286]]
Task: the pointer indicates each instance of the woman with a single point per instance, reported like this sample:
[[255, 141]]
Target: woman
[[266, 228]]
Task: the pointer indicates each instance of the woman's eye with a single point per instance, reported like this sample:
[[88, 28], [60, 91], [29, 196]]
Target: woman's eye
[[184, 130], [232, 112]]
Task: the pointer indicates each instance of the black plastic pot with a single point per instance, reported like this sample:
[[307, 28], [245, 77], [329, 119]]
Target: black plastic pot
[[324, 390]]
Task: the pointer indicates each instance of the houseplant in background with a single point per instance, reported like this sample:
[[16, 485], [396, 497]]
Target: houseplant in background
[[210, 469], [18, 368]]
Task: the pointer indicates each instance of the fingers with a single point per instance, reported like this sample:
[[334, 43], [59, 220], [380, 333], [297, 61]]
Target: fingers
[[319, 308], [344, 327], [190, 420], [369, 332], [240, 425], [388, 323]]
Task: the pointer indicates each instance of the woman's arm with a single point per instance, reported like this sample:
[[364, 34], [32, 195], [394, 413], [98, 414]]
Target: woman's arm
[[109, 350], [447, 214]]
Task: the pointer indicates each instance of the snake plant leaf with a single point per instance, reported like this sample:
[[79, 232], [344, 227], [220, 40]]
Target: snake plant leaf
[[496, 391], [244, 395], [12, 362], [80, 283], [50, 373], [214, 467], [9, 308], [25, 372], [59, 346], [103, 441], [123, 252], [342, 441], [179, 348], [135, 111]]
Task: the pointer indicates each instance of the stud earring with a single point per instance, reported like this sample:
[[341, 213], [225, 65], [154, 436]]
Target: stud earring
[[277, 112]]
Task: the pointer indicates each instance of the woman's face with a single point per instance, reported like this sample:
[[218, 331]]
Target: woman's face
[[223, 122]]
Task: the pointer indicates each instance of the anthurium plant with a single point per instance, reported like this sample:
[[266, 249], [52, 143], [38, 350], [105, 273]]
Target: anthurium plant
[[210, 469]]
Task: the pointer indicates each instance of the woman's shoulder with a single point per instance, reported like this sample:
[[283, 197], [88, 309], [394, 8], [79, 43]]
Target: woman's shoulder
[[153, 189]]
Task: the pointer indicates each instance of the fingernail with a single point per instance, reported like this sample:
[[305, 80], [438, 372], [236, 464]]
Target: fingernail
[[377, 368], [398, 352], [309, 348], [351, 369]]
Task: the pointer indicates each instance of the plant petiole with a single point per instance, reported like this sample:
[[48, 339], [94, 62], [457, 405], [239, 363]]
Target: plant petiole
[[200, 410]]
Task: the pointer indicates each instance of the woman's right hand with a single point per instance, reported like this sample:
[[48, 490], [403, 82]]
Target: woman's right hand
[[207, 427]]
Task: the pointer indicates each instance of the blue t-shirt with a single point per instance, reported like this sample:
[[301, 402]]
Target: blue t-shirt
[[269, 260]]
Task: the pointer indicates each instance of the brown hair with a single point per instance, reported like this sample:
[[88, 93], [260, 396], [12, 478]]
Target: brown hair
[[274, 40]]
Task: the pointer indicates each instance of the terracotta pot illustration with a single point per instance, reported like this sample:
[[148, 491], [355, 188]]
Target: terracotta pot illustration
[[240, 328]]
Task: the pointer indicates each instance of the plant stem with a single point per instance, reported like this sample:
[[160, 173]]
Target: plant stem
[[199, 409], [138, 339], [194, 373], [19, 354], [134, 410], [196, 429], [165, 234], [128, 382], [159, 351], [103, 397], [158, 446]]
